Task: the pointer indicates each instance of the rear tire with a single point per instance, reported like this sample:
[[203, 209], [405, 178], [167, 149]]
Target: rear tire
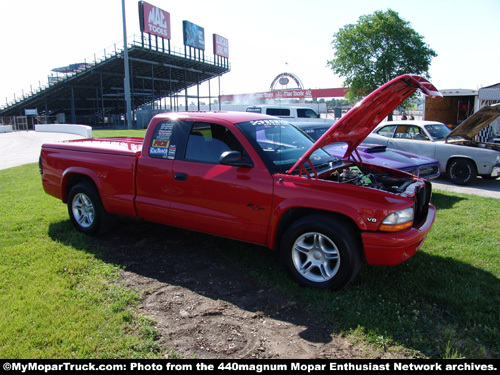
[[462, 171], [85, 208], [321, 252]]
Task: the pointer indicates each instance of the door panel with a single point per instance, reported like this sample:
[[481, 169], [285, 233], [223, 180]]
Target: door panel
[[221, 199], [228, 201], [424, 148]]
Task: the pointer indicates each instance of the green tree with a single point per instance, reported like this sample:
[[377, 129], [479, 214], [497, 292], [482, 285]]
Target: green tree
[[380, 47]]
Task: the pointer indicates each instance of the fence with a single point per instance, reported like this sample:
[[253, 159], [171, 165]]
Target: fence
[[24, 122]]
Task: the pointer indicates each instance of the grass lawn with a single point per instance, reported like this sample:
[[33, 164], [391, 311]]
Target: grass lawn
[[118, 133], [59, 301]]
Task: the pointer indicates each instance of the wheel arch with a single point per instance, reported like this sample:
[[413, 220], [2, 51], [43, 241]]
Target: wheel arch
[[294, 213], [71, 177]]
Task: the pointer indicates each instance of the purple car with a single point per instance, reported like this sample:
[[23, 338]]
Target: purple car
[[379, 155]]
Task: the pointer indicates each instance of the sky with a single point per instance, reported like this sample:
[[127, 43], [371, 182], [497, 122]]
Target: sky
[[266, 38]]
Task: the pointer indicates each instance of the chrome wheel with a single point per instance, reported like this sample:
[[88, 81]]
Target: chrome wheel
[[321, 251], [316, 257], [83, 210]]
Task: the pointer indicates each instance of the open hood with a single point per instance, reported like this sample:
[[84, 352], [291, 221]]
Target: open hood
[[468, 129], [359, 122]]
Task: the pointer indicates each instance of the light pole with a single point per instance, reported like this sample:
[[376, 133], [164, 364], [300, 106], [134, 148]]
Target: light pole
[[126, 80]]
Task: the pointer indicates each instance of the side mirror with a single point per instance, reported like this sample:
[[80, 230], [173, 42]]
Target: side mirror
[[235, 159]]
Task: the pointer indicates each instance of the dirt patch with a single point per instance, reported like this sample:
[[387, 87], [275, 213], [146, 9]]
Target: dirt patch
[[205, 307]]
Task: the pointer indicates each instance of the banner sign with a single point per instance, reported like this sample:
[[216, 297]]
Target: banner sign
[[221, 46], [286, 94], [194, 35], [154, 21]]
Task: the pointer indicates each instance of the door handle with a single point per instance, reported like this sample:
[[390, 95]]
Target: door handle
[[180, 176]]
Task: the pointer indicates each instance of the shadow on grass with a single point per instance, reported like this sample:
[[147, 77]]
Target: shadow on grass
[[192, 260], [431, 304], [445, 201]]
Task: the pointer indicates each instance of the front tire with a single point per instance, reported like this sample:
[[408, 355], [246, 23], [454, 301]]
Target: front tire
[[462, 172], [321, 252], [85, 208]]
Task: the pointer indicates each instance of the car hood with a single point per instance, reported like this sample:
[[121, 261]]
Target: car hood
[[381, 155], [475, 123], [358, 123]]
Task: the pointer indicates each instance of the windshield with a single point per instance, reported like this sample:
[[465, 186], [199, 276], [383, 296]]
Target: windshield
[[438, 132], [314, 132], [280, 144]]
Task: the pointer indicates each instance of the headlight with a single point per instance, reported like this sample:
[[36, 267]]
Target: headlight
[[398, 221]]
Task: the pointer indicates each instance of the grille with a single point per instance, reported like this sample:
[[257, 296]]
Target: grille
[[428, 171], [422, 199]]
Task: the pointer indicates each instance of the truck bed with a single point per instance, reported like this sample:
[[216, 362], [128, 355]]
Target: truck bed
[[109, 162]]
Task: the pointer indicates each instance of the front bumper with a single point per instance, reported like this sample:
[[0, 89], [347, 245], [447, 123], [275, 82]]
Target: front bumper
[[495, 171], [389, 249]]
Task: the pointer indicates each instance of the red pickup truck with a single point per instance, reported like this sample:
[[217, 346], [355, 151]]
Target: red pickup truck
[[255, 178]]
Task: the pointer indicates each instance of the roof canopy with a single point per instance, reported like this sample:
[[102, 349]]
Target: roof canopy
[[490, 92]]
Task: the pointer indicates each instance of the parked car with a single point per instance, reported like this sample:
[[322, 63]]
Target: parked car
[[417, 165], [291, 113], [462, 158]]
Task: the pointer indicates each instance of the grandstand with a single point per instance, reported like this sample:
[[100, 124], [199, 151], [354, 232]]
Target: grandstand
[[92, 93]]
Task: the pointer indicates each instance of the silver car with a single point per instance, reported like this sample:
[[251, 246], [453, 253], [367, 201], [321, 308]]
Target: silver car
[[462, 158]]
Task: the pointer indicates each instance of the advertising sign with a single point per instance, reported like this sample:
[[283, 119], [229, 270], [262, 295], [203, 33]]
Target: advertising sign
[[154, 21], [194, 35], [287, 94], [221, 46], [31, 112]]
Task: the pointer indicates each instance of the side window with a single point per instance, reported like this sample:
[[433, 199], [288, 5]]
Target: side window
[[410, 132], [306, 113], [402, 132], [207, 142], [387, 131], [417, 133], [162, 145], [280, 112]]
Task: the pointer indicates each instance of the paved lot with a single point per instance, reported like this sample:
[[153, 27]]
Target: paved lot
[[23, 147], [18, 148], [485, 188]]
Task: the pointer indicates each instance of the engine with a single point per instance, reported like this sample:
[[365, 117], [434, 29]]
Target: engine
[[382, 181]]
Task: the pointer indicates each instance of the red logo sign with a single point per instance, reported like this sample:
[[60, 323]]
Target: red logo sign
[[161, 143], [155, 21], [221, 46]]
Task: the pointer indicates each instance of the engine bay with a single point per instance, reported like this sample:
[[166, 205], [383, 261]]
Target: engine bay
[[375, 178]]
